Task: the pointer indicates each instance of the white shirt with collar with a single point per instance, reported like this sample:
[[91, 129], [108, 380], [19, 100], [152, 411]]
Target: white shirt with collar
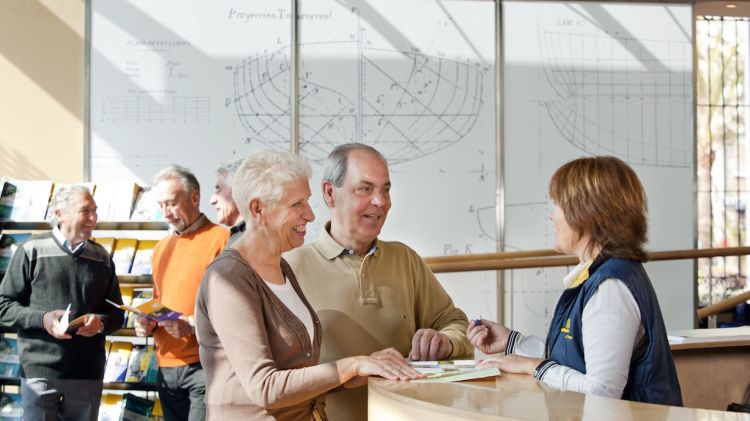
[[64, 241]]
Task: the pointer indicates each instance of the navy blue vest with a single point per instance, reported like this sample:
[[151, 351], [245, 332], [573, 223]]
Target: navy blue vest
[[652, 377]]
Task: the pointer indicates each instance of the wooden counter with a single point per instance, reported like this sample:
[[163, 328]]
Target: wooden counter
[[713, 366], [513, 397]]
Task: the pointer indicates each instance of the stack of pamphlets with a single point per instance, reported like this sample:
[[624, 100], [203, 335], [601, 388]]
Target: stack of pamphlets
[[10, 364], [452, 370]]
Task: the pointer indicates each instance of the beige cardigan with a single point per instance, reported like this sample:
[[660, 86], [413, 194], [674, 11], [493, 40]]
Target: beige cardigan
[[256, 354]]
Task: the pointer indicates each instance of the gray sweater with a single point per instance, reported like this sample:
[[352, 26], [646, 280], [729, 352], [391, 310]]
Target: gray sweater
[[44, 276]]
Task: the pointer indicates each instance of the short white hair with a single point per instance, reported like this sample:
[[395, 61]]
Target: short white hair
[[62, 199], [265, 175]]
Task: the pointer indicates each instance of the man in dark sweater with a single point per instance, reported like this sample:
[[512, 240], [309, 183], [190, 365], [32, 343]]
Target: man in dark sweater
[[62, 369]]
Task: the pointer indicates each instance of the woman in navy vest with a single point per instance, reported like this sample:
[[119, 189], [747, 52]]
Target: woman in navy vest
[[607, 336]]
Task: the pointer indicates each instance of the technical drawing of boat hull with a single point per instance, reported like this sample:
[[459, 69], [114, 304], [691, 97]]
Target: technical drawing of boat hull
[[405, 103], [609, 96]]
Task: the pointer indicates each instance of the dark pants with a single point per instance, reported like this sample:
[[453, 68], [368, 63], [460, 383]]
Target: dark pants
[[53, 399], [182, 391]]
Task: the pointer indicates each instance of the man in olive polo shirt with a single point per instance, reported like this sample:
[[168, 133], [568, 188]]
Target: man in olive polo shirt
[[371, 294]]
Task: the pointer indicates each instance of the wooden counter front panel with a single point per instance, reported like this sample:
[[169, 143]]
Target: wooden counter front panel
[[712, 378]]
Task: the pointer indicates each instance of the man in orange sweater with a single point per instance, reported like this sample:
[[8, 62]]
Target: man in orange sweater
[[178, 264]]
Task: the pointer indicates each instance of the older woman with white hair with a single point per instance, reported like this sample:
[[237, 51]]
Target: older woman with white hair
[[259, 338]]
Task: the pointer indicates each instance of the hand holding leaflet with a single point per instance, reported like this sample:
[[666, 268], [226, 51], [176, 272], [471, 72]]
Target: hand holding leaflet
[[151, 310], [64, 318], [51, 324], [76, 324], [71, 326]]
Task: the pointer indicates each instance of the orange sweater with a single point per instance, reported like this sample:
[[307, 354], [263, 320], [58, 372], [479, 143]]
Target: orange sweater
[[178, 265]]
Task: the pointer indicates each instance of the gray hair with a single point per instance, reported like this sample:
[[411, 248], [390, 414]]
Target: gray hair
[[62, 199], [228, 169], [264, 175], [337, 162], [183, 175]]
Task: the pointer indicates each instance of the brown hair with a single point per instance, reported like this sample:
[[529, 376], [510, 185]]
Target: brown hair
[[601, 196]]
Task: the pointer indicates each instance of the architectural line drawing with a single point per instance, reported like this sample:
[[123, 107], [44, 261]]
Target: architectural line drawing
[[611, 96], [148, 109]]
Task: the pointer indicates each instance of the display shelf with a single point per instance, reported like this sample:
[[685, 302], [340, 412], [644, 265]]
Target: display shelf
[[146, 387], [13, 381], [135, 281], [100, 226], [126, 331], [26, 226], [132, 226]]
